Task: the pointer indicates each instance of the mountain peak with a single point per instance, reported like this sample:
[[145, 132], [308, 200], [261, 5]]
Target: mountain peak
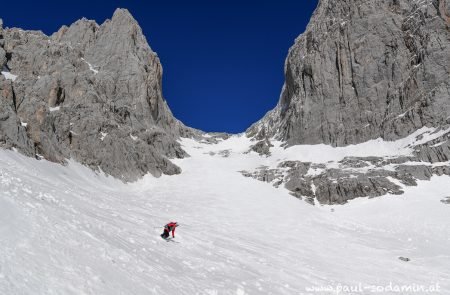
[[102, 83], [121, 14]]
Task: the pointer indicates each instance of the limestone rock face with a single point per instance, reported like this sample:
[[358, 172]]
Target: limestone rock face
[[91, 93], [364, 70]]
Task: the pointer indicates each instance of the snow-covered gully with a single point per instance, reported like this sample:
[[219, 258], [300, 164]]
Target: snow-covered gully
[[67, 230]]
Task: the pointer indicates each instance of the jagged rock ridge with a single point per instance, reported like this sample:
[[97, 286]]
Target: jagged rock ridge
[[91, 93]]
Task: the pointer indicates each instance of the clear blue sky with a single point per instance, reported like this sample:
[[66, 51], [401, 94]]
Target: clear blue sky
[[223, 60]]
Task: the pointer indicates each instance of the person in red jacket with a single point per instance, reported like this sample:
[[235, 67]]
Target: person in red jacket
[[170, 227]]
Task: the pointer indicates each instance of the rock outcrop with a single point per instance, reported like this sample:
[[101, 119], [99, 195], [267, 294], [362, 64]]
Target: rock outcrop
[[91, 93], [337, 182], [363, 70]]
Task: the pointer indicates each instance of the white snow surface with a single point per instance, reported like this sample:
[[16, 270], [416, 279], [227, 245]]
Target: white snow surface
[[68, 230], [9, 76], [91, 67], [103, 135], [54, 109]]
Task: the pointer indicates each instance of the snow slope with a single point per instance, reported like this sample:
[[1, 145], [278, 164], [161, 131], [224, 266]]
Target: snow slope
[[67, 230]]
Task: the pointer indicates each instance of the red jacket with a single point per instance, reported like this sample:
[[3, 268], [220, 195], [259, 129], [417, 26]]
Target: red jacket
[[171, 227]]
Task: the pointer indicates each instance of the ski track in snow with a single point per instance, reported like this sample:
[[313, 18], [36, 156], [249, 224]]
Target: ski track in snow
[[67, 230]]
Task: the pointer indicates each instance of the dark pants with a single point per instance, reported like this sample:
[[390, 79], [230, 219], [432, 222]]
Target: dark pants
[[165, 234]]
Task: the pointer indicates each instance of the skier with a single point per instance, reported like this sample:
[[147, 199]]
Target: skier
[[167, 228]]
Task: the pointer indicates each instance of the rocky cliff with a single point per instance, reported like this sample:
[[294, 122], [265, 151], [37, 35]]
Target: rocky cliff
[[91, 93], [363, 70]]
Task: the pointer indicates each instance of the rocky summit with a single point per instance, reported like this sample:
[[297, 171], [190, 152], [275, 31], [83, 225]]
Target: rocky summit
[[363, 70], [91, 93]]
